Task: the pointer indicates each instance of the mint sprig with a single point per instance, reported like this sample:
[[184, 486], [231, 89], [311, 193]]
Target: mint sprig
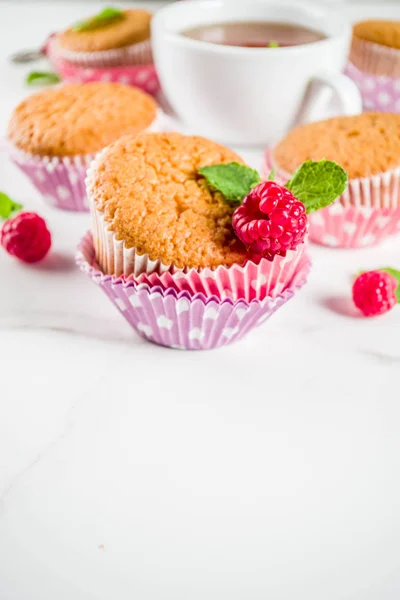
[[105, 17], [233, 180], [317, 184], [396, 275], [273, 44], [7, 206], [42, 78]]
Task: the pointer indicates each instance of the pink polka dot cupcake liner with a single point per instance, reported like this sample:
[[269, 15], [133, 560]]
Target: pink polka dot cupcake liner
[[378, 92], [178, 319], [366, 214], [60, 180], [253, 280], [138, 75]]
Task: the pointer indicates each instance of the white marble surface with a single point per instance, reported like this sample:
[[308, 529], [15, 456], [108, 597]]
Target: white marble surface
[[268, 469]]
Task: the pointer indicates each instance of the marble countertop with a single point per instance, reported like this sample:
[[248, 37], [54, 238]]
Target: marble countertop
[[266, 469]]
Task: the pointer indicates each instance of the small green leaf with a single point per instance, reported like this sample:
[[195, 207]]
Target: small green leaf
[[271, 175], [273, 44], [8, 206], [105, 17], [396, 275], [233, 180], [318, 184], [42, 78]]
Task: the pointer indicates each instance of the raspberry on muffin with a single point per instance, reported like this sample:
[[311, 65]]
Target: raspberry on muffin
[[153, 201]]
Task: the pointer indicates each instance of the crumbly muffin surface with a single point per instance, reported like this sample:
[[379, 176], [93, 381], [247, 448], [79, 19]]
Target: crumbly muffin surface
[[386, 33], [364, 145], [154, 200], [79, 118], [133, 28]]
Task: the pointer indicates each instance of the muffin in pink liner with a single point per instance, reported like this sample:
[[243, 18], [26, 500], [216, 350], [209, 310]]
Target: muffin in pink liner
[[368, 146], [149, 186], [110, 38], [378, 92], [178, 319], [375, 48], [143, 76], [55, 134]]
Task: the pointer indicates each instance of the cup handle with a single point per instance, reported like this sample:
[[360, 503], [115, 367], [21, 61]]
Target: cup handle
[[320, 91]]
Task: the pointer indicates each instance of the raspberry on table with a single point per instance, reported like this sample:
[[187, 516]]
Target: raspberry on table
[[26, 237], [270, 220], [374, 292]]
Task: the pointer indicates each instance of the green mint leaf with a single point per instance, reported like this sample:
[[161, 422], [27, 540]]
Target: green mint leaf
[[42, 78], [105, 17], [273, 44], [318, 184], [8, 206], [396, 275], [233, 180], [271, 175]]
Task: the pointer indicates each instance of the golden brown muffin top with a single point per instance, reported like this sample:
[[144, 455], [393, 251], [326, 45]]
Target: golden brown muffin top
[[79, 118], [364, 145], [386, 33], [153, 198], [133, 28]]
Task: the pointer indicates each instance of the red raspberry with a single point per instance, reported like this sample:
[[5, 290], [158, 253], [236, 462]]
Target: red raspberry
[[26, 236], [270, 220], [374, 292]]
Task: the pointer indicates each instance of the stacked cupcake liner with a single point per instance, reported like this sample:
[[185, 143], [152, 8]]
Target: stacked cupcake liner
[[249, 281], [139, 75], [364, 215], [179, 319], [375, 59]]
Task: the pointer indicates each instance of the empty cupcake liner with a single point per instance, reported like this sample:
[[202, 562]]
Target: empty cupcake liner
[[375, 59], [141, 76], [364, 215], [60, 180], [249, 281], [378, 92], [179, 320], [136, 54]]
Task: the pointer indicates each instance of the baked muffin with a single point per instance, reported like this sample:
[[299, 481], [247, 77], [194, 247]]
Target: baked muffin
[[121, 39], [55, 133], [375, 47], [367, 146], [163, 247]]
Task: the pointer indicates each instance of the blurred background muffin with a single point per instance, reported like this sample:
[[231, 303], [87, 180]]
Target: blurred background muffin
[[55, 133]]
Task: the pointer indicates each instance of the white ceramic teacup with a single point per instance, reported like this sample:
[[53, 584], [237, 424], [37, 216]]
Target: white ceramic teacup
[[251, 95]]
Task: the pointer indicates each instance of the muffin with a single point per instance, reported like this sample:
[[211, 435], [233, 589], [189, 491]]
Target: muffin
[[163, 246], [55, 133], [374, 64], [368, 147], [121, 39]]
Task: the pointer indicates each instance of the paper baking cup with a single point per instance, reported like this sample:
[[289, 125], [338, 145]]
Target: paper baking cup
[[249, 281], [378, 92], [60, 181], [375, 58], [179, 320], [136, 54], [364, 215], [141, 76]]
